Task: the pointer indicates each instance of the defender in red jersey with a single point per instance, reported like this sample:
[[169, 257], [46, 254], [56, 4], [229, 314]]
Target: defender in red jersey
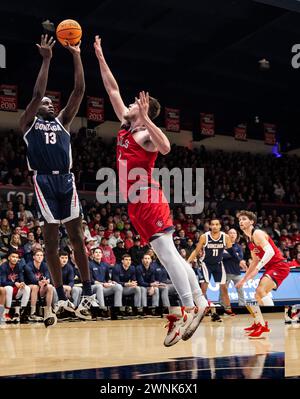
[[264, 253], [139, 142]]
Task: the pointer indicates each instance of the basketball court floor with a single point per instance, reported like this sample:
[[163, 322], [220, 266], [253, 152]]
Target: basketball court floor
[[133, 349], [292, 350]]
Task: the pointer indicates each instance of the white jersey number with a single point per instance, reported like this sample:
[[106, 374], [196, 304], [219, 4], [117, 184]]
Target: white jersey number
[[50, 138], [215, 252]]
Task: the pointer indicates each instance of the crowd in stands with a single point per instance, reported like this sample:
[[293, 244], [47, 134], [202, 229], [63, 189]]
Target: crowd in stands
[[121, 263]]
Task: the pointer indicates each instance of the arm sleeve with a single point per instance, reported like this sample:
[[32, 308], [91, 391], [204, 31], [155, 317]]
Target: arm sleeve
[[269, 253], [140, 279], [116, 277], [5, 281], [71, 276], [30, 275]]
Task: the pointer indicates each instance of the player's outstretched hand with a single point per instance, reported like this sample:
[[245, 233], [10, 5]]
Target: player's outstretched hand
[[74, 49], [45, 48], [143, 103], [98, 47], [240, 283]]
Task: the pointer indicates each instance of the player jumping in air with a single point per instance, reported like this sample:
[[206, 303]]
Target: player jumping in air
[[264, 254], [49, 155], [138, 144]]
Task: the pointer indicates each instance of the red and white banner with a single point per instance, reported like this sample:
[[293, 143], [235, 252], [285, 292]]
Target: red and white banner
[[172, 119], [55, 98], [240, 132], [270, 133], [95, 109], [207, 124], [9, 98]]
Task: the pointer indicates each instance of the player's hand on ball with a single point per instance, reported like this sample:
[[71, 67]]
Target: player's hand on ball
[[45, 48], [98, 47], [74, 49]]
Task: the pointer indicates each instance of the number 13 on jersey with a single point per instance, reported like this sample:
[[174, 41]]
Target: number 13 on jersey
[[50, 138]]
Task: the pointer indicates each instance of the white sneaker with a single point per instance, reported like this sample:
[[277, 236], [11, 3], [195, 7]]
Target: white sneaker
[[176, 327], [50, 318], [197, 315], [64, 305], [84, 308]]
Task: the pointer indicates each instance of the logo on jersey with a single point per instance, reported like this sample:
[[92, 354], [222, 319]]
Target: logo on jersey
[[47, 127], [159, 223], [256, 250], [12, 277], [123, 143]]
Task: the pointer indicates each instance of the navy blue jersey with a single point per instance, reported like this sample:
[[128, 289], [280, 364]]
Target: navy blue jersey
[[213, 249], [232, 265], [99, 271], [10, 276], [48, 146], [33, 275], [122, 276], [68, 275], [145, 276]]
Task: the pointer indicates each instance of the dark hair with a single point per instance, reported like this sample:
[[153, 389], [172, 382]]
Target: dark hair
[[219, 220], [95, 249], [248, 214], [126, 256], [13, 252], [154, 108], [62, 252], [36, 251]]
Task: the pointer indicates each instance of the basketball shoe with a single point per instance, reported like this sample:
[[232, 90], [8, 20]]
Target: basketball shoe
[[177, 326], [260, 331], [50, 318], [198, 315], [248, 330], [83, 310]]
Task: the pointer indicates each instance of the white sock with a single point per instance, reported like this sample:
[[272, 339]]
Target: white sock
[[166, 252], [17, 310], [176, 310], [1, 310], [267, 300], [33, 309], [258, 315]]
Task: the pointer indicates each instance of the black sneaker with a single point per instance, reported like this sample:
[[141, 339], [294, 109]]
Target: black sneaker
[[35, 318], [216, 317]]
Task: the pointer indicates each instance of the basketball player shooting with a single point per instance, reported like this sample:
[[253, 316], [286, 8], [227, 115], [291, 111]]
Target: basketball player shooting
[[138, 144], [264, 254], [49, 156]]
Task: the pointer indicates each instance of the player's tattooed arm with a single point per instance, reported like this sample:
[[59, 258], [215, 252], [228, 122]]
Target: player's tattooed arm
[[67, 114], [198, 250], [45, 50], [110, 83]]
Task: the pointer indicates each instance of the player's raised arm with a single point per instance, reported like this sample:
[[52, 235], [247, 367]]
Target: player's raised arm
[[157, 137], [110, 83], [67, 114], [45, 49], [198, 249]]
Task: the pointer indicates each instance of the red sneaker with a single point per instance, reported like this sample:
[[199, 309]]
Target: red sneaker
[[251, 328], [260, 331]]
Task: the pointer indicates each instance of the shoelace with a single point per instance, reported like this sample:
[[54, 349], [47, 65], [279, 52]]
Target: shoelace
[[172, 318]]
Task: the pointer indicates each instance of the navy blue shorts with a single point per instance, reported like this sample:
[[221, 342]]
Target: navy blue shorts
[[56, 198], [217, 270]]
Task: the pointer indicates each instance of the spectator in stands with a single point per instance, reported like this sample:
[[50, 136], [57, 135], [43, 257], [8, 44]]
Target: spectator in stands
[[23, 211], [38, 235], [285, 238], [114, 239], [145, 273], [102, 284], [137, 251], [183, 253], [37, 276], [125, 275], [287, 254], [164, 284], [177, 243], [10, 216], [12, 279], [109, 232], [119, 251], [15, 245], [190, 246], [28, 246], [90, 244], [128, 240], [2, 302], [183, 238], [108, 255]]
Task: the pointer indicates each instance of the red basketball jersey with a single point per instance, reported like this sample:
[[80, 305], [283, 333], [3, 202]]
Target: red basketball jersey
[[277, 257], [131, 155]]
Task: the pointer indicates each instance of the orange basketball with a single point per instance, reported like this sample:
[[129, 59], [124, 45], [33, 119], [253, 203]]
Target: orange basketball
[[69, 31]]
